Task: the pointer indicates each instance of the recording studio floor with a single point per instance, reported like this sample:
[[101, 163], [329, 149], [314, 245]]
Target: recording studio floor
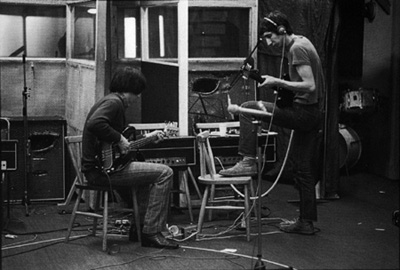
[[356, 232]]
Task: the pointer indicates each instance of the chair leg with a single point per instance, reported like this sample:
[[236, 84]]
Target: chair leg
[[105, 220], [73, 215], [212, 195], [187, 193], [96, 209], [70, 194], [202, 211], [246, 210], [253, 194], [90, 198], [137, 214], [194, 183]]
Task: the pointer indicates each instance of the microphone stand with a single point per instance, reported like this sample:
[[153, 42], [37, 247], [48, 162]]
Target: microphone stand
[[257, 124], [247, 66], [235, 109], [259, 264], [27, 163]]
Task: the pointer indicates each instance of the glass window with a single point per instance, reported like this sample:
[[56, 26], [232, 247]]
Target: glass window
[[32, 30], [84, 32], [129, 33], [218, 32], [163, 36]]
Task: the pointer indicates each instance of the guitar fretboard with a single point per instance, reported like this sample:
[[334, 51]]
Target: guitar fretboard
[[141, 142]]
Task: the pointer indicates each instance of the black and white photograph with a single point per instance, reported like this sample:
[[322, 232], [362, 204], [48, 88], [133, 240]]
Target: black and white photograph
[[199, 134]]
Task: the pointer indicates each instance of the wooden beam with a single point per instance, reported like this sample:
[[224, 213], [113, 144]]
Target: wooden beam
[[101, 47], [183, 63], [36, 2]]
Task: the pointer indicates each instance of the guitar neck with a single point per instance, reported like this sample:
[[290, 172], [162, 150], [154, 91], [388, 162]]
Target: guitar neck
[[141, 142]]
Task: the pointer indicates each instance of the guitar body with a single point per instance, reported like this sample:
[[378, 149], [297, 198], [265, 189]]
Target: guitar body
[[285, 97], [111, 157]]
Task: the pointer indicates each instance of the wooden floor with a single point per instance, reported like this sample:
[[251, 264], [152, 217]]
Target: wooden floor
[[356, 232]]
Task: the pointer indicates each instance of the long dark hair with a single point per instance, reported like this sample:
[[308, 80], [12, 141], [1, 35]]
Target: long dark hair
[[128, 80]]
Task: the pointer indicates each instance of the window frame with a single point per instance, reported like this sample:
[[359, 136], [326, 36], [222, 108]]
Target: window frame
[[24, 5]]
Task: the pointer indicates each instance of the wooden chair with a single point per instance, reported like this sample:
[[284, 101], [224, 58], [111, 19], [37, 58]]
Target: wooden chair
[[80, 185], [210, 179]]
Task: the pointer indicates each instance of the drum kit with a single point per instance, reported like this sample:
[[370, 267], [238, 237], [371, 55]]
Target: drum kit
[[360, 102]]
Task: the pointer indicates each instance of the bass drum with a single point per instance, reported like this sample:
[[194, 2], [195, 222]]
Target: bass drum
[[349, 147]]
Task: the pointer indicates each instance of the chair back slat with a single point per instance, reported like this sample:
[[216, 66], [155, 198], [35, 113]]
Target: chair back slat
[[207, 164], [74, 144], [211, 162]]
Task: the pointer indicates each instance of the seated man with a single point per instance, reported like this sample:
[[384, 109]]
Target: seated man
[[105, 124]]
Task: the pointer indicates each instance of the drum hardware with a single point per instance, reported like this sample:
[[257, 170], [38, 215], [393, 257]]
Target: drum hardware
[[360, 101]]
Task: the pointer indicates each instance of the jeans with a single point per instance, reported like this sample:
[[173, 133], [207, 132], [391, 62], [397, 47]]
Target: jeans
[[305, 120], [155, 179]]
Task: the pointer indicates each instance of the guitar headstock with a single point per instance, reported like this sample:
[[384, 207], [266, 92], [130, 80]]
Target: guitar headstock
[[171, 129]]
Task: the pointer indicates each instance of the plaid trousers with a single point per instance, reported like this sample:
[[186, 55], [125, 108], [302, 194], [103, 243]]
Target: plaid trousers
[[158, 178]]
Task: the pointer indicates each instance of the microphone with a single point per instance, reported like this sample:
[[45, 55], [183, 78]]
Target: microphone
[[248, 63], [247, 66], [249, 72], [235, 109]]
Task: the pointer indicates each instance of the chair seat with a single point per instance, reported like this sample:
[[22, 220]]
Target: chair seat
[[223, 180]]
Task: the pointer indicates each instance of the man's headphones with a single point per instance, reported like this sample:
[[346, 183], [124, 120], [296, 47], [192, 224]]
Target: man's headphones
[[280, 28]]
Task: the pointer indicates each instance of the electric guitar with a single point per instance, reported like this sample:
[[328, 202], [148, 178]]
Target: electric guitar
[[285, 96], [111, 158]]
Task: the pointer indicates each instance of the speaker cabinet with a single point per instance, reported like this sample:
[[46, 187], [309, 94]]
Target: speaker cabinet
[[46, 173]]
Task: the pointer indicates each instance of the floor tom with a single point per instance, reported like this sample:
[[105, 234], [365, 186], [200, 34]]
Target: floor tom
[[349, 147]]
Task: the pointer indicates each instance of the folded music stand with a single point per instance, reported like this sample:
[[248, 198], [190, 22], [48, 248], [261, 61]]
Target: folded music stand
[[206, 89]]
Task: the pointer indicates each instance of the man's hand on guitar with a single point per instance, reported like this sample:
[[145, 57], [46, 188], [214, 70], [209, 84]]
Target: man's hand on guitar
[[156, 133], [123, 145]]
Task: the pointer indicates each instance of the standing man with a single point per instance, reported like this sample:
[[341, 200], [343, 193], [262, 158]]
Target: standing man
[[304, 116], [105, 124]]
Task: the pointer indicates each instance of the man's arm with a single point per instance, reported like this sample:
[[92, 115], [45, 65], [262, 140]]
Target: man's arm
[[99, 122], [307, 83]]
